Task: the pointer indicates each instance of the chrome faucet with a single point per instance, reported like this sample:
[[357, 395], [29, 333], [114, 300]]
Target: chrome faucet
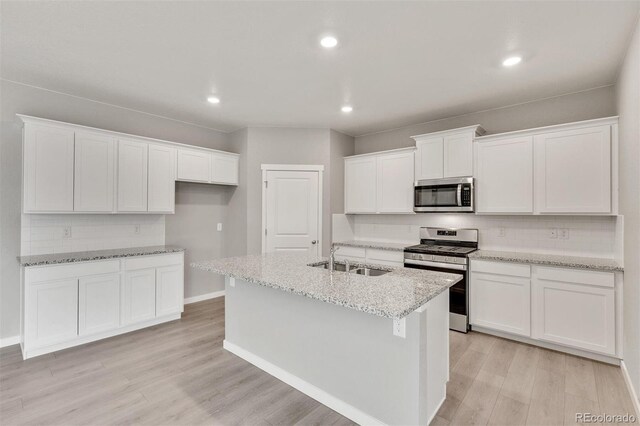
[[346, 266], [332, 257]]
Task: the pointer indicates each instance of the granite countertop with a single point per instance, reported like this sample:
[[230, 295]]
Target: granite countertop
[[373, 244], [594, 263], [393, 295], [85, 256]]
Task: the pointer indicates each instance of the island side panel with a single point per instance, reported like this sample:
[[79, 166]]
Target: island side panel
[[352, 356]]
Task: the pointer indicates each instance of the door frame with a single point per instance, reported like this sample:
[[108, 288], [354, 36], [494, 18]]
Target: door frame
[[291, 167]]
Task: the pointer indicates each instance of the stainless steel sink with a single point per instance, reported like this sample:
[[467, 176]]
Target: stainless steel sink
[[341, 267]]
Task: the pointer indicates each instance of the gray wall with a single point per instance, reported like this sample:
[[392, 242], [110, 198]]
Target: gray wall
[[283, 146], [194, 216], [628, 97], [585, 105], [341, 146]]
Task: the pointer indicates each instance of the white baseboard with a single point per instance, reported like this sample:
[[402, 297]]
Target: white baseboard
[[202, 297], [305, 387], [9, 341], [632, 391]]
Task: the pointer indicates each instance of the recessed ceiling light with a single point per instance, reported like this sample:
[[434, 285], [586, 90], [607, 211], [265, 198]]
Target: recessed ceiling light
[[213, 99], [328, 42], [511, 61], [347, 108]]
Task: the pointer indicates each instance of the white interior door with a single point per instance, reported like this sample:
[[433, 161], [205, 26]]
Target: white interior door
[[292, 211]]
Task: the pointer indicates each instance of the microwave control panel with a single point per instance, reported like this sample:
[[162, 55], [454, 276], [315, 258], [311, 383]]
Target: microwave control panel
[[466, 196]]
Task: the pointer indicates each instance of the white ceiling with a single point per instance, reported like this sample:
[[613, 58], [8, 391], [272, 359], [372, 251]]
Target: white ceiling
[[397, 63]]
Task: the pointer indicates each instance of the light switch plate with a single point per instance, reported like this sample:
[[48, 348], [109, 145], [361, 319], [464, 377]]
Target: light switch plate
[[563, 234], [219, 227], [66, 232], [136, 229]]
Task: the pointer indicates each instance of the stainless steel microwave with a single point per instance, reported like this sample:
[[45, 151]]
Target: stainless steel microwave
[[444, 195]]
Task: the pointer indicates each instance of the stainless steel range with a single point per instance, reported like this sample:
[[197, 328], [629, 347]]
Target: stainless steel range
[[446, 250]]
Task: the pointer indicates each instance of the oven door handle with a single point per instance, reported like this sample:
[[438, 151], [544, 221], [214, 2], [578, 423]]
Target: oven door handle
[[459, 195], [436, 264]]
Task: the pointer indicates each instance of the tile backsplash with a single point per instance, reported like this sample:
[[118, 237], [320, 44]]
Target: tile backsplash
[[593, 236], [57, 233]]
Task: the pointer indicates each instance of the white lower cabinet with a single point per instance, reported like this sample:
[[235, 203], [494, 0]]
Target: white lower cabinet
[[571, 308], [374, 256], [52, 312], [98, 303], [75, 303], [139, 299], [500, 300], [169, 290], [569, 311]]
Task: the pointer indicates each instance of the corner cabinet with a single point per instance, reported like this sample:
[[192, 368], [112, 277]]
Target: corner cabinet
[[564, 169], [379, 183], [71, 304], [69, 168], [445, 154]]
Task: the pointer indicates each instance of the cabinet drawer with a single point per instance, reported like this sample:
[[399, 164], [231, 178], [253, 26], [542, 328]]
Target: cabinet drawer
[[501, 268], [344, 251], [385, 257], [577, 276], [156, 261], [70, 270]]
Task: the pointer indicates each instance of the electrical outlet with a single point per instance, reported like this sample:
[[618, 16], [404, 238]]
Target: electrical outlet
[[136, 229], [501, 232], [563, 234], [66, 232], [219, 227], [553, 233]]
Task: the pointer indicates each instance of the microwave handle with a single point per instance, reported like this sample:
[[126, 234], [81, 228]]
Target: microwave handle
[[459, 195]]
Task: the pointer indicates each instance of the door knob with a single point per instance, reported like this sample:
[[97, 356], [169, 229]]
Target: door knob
[[313, 242]]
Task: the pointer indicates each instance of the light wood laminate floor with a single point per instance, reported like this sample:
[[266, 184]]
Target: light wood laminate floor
[[178, 373]]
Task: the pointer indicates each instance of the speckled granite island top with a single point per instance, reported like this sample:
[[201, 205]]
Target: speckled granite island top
[[373, 244], [594, 263], [86, 256], [393, 295]]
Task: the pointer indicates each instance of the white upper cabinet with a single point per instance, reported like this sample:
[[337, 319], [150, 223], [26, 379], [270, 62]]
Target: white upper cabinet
[[573, 171], [48, 168], [360, 184], [162, 179], [224, 168], [194, 165], [94, 172], [458, 155], [380, 182], [504, 175], [76, 169], [429, 158], [562, 169], [445, 154], [395, 183], [132, 175]]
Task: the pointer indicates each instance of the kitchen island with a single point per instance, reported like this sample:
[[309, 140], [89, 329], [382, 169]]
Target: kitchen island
[[373, 348]]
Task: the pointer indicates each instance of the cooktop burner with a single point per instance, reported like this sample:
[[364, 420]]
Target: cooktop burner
[[445, 249]]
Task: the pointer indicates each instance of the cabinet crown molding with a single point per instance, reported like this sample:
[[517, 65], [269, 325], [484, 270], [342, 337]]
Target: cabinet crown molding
[[61, 124], [478, 129], [389, 151], [553, 128]]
